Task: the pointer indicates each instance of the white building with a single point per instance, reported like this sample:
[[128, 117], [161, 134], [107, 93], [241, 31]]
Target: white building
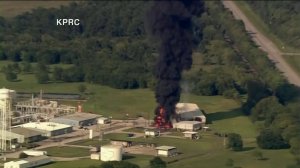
[[187, 125], [190, 111], [95, 156], [166, 151], [111, 153], [49, 128], [103, 120], [191, 134], [28, 162], [35, 152], [152, 133]]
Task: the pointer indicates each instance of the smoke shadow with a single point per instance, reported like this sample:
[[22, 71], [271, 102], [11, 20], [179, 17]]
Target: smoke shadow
[[211, 117]]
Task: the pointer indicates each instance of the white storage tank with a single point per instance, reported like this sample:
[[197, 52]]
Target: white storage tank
[[111, 153]]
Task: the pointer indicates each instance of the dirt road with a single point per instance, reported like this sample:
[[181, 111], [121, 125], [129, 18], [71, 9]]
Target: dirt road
[[266, 44]]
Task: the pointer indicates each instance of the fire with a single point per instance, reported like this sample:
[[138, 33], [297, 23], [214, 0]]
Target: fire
[[160, 119]]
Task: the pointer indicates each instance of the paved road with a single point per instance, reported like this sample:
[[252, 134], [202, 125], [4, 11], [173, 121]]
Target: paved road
[[266, 44]]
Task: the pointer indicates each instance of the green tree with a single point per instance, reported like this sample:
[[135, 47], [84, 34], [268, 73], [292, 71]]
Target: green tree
[[57, 73], [235, 142], [42, 77], [22, 155], [157, 162], [10, 76], [268, 139], [26, 67]]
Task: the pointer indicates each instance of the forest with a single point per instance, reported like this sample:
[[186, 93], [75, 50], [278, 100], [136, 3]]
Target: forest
[[282, 16], [111, 47]]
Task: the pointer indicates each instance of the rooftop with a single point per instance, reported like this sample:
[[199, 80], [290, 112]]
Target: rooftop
[[188, 122], [46, 126], [25, 131], [189, 132], [111, 146], [35, 158], [187, 107], [80, 116], [165, 148]]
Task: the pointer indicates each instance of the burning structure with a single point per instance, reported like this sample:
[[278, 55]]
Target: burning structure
[[170, 22]]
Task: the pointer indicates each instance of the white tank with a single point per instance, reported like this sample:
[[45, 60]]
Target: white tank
[[111, 153], [6, 93]]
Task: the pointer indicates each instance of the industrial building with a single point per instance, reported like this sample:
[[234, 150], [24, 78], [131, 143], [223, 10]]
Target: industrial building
[[152, 133], [38, 109], [188, 125], [49, 128], [27, 135], [111, 153], [166, 151], [103, 120], [189, 112], [77, 119], [28, 162], [191, 135]]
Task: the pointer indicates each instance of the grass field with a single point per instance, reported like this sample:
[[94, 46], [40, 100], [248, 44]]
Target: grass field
[[89, 142], [10, 9], [65, 151], [82, 163]]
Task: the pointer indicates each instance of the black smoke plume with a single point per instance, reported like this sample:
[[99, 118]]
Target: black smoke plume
[[170, 23]]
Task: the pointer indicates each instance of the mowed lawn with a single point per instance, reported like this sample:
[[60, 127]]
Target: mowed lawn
[[10, 9], [65, 151]]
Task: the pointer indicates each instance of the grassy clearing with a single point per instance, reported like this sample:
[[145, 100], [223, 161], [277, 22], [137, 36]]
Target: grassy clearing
[[65, 151], [10, 9], [263, 27], [89, 142], [82, 163]]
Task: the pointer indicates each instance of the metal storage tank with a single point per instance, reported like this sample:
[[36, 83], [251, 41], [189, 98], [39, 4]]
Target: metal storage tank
[[111, 153]]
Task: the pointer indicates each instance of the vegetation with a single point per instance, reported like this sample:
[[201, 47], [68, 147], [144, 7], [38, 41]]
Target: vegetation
[[271, 140], [157, 162], [282, 17], [116, 164], [22, 155], [235, 142]]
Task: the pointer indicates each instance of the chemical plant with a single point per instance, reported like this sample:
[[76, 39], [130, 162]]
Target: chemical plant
[[46, 122]]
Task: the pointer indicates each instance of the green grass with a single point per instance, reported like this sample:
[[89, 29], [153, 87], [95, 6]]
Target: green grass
[[82, 163], [65, 151], [135, 129], [263, 27], [89, 142], [10, 9]]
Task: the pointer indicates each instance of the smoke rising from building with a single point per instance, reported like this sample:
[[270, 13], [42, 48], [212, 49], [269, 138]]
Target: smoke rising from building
[[170, 23]]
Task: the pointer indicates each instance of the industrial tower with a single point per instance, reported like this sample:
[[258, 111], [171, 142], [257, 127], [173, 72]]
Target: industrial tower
[[6, 100]]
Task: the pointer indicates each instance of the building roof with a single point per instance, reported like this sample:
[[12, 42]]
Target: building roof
[[189, 132], [26, 132], [188, 122], [35, 158], [188, 107], [80, 116], [111, 147], [165, 148], [45, 126]]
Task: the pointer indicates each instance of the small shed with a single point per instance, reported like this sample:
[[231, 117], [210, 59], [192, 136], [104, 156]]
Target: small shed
[[187, 125], [191, 134], [166, 151], [95, 156], [122, 143], [152, 133], [103, 120]]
